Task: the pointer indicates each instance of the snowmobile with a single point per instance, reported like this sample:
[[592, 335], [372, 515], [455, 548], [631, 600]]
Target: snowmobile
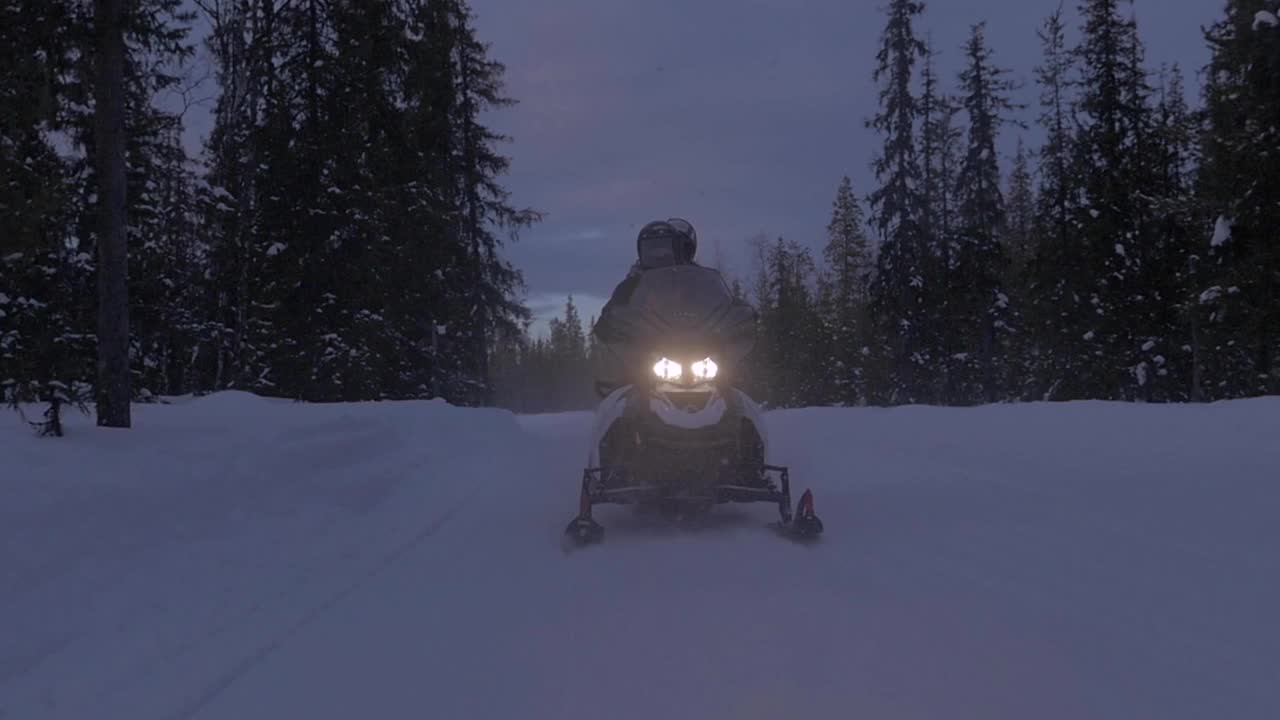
[[676, 435]]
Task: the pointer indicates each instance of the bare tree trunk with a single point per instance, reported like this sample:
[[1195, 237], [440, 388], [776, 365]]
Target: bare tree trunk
[[113, 252]]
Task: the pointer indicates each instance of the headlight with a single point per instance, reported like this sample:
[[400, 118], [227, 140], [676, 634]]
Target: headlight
[[668, 370], [705, 369]]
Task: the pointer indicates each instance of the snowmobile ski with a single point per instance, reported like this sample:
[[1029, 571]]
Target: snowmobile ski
[[584, 531], [804, 524]]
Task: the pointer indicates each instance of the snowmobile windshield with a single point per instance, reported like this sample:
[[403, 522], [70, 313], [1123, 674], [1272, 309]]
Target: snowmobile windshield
[[681, 297], [685, 309], [657, 252]]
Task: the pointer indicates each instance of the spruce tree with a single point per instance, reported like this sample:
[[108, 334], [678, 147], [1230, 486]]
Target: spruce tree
[[568, 361], [166, 268], [483, 203], [113, 390], [1170, 317], [1019, 236], [1116, 223], [898, 292], [1019, 240], [248, 255], [788, 373], [940, 145], [847, 258], [431, 247], [1238, 276], [978, 299], [35, 55], [936, 133], [1154, 325], [1060, 275], [46, 336]]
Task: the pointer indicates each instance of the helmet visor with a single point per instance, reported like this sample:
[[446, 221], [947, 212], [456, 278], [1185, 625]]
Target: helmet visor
[[657, 251]]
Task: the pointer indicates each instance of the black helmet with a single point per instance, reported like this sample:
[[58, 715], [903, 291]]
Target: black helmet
[[684, 227], [666, 242]]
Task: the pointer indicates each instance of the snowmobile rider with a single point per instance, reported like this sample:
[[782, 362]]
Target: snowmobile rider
[[661, 243]]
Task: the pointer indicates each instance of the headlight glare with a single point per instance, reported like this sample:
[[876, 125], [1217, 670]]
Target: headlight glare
[[705, 369], [668, 369]]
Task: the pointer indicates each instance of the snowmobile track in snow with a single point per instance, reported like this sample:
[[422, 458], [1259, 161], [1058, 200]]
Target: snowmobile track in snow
[[246, 665]]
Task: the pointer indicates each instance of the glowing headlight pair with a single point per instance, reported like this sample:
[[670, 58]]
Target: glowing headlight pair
[[671, 370]]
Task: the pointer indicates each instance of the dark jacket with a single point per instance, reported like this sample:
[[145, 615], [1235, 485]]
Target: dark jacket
[[604, 329]]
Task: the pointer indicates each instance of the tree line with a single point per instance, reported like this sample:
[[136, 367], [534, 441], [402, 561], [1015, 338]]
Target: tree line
[[338, 237], [555, 372], [1134, 255]]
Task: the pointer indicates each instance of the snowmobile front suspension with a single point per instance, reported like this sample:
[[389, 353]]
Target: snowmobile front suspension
[[584, 529], [802, 522]]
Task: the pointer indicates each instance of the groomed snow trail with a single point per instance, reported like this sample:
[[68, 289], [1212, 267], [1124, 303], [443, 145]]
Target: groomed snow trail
[[1086, 560]]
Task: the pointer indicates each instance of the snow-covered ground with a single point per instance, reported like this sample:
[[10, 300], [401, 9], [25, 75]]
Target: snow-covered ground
[[235, 557]]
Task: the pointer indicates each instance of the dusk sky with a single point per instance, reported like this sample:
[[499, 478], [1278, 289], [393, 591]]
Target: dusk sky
[[740, 116]]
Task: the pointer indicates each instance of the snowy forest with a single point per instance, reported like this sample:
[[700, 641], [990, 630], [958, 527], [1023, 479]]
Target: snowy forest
[[340, 235], [1133, 255], [338, 238]]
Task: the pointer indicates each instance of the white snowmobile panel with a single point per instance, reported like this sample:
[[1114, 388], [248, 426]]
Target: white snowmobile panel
[[607, 412], [753, 412], [667, 412]]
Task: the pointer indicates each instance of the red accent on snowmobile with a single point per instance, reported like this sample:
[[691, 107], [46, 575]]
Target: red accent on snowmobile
[[806, 504], [806, 523]]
